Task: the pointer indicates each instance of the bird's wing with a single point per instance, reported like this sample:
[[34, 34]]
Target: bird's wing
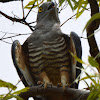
[[75, 47], [19, 60], [78, 48], [19, 56]]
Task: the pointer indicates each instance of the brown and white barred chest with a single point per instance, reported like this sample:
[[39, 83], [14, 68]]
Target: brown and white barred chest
[[50, 57]]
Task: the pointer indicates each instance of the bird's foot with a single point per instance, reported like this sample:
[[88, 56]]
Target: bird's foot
[[39, 83], [62, 85], [45, 79], [45, 84], [59, 85], [48, 84]]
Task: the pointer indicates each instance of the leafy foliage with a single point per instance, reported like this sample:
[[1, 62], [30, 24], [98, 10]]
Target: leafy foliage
[[95, 80], [95, 91], [94, 87], [7, 85], [93, 62], [31, 3], [95, 83], [74, 4], [11, 94], [81, 7], [94, 17], [78, 59]]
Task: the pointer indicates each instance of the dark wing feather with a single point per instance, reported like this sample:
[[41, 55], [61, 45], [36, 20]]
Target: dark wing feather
[[78, 49], [13, 52], [20, 62], [24, 50]]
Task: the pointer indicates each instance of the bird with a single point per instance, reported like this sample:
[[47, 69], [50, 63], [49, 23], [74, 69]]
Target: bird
[[45, 55]]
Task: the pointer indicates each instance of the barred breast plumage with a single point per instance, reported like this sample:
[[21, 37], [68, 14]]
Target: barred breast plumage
[[49, 57]]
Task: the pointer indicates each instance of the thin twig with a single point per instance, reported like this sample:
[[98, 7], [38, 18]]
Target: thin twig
[[12, 36], [22, 21], [32, 22], [22, 8], [3, 35], [12, 39], [15, 33], [4, 1], [6, 42], [83, 37], [68, 20], [29, 11], [62, 8], [11, 18]]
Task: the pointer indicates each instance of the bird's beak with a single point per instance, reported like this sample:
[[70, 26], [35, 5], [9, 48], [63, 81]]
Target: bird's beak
[[52, 5]]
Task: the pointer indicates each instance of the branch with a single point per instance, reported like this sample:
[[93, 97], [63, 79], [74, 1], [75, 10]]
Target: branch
[[17, 20], [4, 1], [56, 92], [91, 28], [13, 36]]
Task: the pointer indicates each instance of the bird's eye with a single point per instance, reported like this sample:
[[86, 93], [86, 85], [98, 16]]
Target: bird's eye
[[40, 9]]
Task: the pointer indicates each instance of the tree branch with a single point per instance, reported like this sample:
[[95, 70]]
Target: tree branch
[[4, 1], [91, 28], [17, 20], [55, 92]]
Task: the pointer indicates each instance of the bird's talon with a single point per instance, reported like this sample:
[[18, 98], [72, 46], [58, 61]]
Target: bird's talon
[[59, 85], [45, 85], [40, 83], [50, 84], [64, 86]]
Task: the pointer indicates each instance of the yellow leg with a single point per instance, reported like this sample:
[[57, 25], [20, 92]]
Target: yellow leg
[[44, 78], [64, 71]]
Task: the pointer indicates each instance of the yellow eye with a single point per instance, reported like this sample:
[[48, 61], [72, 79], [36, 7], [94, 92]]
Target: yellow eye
[[40, 9]]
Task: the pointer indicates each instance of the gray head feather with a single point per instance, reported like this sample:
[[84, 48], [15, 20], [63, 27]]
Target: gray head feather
[[48, 12], [48, 24]]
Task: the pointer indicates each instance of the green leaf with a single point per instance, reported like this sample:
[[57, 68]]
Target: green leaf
[[94, 17], [2, 96], [86, 77], [93, 62], [74, 1], [49, 0], [61, 2], [85, 2], [10, 96], [7, 84], [93, 94], [79, 6], [78, 59], [22, 90], [86, 84], [30, 4], [18, 98], [70, 4], [75, 5], [81, 12], [91, 78]]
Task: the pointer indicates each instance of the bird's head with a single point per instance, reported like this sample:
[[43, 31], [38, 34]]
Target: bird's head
[[48, 12]]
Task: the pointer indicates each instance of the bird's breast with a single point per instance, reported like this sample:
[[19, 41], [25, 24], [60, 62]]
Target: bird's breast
[[49, 57]]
